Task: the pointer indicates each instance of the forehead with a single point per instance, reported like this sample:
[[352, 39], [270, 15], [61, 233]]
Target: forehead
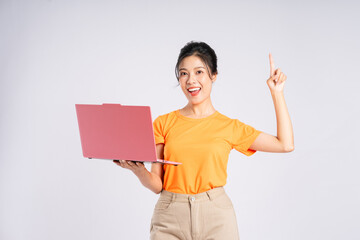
[[191, 62]]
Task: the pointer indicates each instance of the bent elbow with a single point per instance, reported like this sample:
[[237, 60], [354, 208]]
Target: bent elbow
[[157, 191], [289, 148]]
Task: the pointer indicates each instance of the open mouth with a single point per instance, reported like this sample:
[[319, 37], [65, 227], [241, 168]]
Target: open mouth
[[194, 91]]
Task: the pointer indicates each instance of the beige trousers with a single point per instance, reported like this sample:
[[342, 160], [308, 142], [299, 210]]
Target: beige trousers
[[205, 216]]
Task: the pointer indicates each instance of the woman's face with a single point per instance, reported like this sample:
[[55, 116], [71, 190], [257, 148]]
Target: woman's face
[[193, 75]]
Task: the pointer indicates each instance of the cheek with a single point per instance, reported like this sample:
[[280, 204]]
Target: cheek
[[207, 88], [183, 89]]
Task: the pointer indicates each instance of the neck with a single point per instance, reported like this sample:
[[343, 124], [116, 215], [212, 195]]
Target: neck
[[199, 110]]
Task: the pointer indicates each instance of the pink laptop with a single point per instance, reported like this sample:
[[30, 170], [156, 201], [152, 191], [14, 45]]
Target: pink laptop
[[117, 132]]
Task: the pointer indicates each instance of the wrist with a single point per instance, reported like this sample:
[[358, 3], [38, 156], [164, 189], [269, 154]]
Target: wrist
[[276, 93], [140, 171]]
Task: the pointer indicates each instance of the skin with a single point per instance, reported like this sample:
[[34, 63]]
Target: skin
[[193, 73]]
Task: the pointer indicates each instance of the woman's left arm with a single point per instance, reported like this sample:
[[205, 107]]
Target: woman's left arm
[[284, 142]]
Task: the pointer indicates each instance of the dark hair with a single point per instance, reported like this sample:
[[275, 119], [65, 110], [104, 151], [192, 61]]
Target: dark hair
[[201, 50]]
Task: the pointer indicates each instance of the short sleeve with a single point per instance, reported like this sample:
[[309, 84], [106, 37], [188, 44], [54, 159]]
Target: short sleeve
[[158, 130], [243, 136]]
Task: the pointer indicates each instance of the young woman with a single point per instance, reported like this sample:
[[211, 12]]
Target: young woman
[[193, 203]]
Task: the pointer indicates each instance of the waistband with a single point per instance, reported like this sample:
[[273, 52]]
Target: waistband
[[179, 197]]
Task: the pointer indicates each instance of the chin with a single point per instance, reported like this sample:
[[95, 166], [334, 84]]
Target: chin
[[195, 102]]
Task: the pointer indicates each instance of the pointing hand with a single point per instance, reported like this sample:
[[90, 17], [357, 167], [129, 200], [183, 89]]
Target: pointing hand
[[277, 78]]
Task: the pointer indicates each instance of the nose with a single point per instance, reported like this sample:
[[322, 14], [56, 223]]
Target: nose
[[191, 79]]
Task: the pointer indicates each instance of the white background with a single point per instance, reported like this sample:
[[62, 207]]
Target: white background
[[54, 54]]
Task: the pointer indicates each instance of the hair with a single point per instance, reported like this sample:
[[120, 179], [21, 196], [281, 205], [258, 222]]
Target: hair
[[201, 50]]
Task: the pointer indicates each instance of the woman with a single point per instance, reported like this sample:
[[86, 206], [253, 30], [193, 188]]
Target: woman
[[193, 203]]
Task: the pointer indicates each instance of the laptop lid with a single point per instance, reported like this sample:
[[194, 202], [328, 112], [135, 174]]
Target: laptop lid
[[115, 132]]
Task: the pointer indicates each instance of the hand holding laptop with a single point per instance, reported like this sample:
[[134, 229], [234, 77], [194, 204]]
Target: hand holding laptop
[[131, 165]]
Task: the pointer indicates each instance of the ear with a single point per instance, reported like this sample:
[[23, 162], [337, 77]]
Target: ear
[[214, 76]]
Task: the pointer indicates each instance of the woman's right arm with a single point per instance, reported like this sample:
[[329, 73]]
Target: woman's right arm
[[152, 180]]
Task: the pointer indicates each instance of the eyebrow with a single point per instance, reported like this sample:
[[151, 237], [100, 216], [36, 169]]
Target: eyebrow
[[186, 69]]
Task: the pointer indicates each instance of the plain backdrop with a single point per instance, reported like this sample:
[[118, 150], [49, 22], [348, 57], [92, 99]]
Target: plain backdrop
[[54, 54]]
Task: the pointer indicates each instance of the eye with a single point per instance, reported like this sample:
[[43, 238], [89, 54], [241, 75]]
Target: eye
[[200, 71], [182, 73]]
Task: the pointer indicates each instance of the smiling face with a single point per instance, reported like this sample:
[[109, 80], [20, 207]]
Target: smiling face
[[193, 75]]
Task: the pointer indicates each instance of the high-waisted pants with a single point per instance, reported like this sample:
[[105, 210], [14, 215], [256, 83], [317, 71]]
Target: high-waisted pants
[[205, 216]]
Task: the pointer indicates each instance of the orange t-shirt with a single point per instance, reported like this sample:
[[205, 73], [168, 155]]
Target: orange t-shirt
[[202, 146]]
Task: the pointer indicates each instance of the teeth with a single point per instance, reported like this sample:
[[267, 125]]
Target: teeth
[[193, 89]]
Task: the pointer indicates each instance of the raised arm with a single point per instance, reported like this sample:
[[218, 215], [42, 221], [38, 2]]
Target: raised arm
[[284, 141]]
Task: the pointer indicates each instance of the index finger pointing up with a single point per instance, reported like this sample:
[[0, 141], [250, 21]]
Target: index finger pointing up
[[272, 67]]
